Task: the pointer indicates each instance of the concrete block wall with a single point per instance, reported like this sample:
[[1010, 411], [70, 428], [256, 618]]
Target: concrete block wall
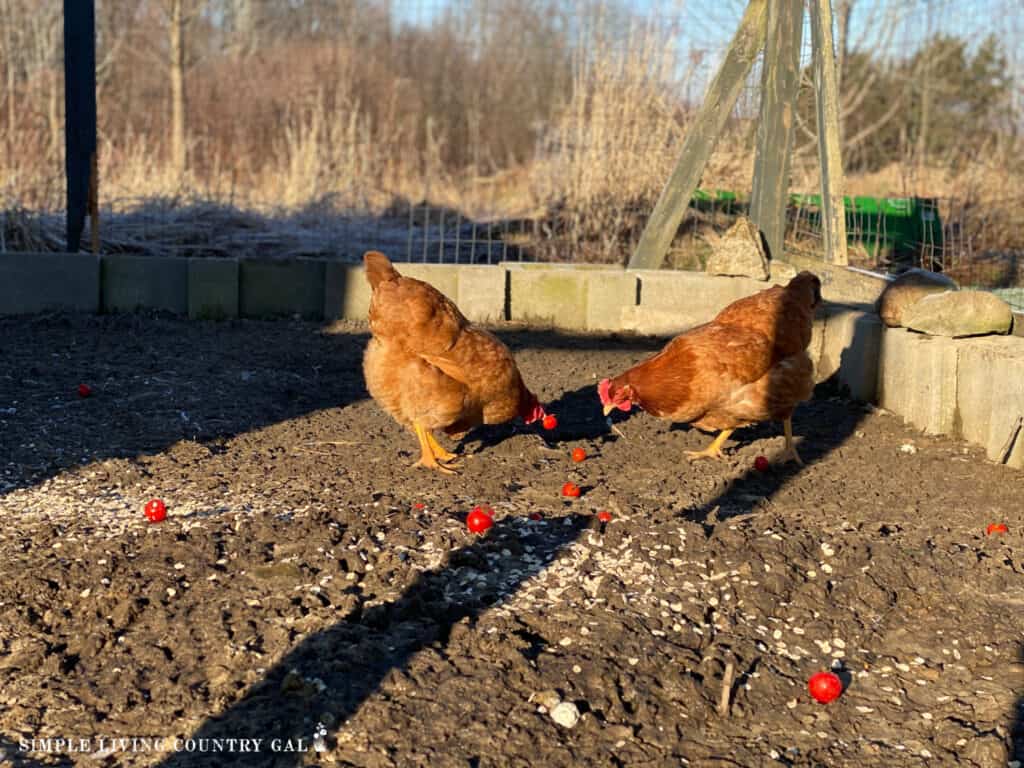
[[990, 397], [968, 388], [482, 292], [212, 289], [479, 290], [850, 342], [346, 292], [129, 283], [573, 299], [971, 388], [918, 379], [41, 282], [279, 288]]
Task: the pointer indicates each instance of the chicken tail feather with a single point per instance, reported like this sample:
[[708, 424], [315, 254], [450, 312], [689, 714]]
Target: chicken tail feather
[[378, 269]]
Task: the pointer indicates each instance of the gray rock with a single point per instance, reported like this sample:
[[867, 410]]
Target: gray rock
[[566, 714], [959, 313], [907, 289], [739, 252]]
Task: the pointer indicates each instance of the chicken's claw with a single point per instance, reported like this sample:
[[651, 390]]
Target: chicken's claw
[[428, 457], [790, 453], [713, 451], [435, 465], [440, 453]]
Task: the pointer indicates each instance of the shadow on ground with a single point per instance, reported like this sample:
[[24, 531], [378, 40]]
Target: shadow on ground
[[347, 666], [158, 380], [13, 756], [426, 615]]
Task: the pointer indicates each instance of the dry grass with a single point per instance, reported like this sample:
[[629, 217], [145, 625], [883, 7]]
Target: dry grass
[[352, 145], [606, 157]]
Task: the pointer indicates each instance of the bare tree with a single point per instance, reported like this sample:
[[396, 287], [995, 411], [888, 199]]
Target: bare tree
[[8, 55], [29, 53], [176, 75], [181, 15], [861, 61]]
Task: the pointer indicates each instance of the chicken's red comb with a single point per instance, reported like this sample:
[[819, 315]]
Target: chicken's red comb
[[536, 413], [604, 389]]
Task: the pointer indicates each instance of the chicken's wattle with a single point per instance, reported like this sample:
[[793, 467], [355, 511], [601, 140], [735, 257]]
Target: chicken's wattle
[[536, 413]]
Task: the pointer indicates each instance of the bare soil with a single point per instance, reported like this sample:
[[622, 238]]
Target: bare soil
[[309, 582]]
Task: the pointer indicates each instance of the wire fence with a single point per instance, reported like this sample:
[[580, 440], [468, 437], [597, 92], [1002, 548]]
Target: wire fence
[[979, 246], [477, 131]]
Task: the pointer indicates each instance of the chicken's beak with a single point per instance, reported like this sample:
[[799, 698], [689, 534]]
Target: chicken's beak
[[608, 409]]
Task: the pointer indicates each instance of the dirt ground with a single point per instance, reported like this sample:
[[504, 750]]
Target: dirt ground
[[312, 591]]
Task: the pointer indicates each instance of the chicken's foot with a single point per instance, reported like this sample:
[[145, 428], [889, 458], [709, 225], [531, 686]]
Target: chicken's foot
[[427, 457], [713, 451], [790, 453], [444, 456]]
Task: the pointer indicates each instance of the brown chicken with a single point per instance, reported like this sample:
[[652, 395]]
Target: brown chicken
[[430, 368], [749, 364]]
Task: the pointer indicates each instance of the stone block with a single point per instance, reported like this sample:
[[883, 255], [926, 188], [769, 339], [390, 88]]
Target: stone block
[[482, 292], [131, 283], [41, 282], [212, 288], [917, 379], [272, 288], [849, 352], [990, 396]]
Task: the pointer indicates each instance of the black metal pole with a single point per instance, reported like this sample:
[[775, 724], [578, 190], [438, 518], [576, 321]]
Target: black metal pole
[[79, 111]]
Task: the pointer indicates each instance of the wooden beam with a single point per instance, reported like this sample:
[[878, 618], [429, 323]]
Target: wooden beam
[[826, 97], [79, 115], [700, 139], [780, 80]]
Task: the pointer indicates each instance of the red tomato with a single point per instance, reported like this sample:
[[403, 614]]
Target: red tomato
[[996, 528], [84, 390], [604, 517], [825, 687], [155, 511], [578, 455], [761, 464], [571, 489], [550, 422], [478, 520]]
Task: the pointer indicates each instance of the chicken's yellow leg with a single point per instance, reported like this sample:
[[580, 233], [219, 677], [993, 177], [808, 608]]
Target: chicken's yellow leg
[[713, 451], [439, 451], [790, 453], [427, 458]]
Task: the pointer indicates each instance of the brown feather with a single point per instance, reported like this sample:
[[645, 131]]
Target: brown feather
[[749, 364], [378, 268], [427, 364]]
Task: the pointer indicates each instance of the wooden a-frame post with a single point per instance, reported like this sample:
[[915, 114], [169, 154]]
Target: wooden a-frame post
[[700, 139], [780, 80], [830, 156], [781, 23]]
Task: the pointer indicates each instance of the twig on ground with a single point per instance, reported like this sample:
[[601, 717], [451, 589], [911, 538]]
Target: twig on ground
[[727, 678]]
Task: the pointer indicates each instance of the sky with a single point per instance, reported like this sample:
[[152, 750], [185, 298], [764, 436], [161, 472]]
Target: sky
[[895, 28]]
